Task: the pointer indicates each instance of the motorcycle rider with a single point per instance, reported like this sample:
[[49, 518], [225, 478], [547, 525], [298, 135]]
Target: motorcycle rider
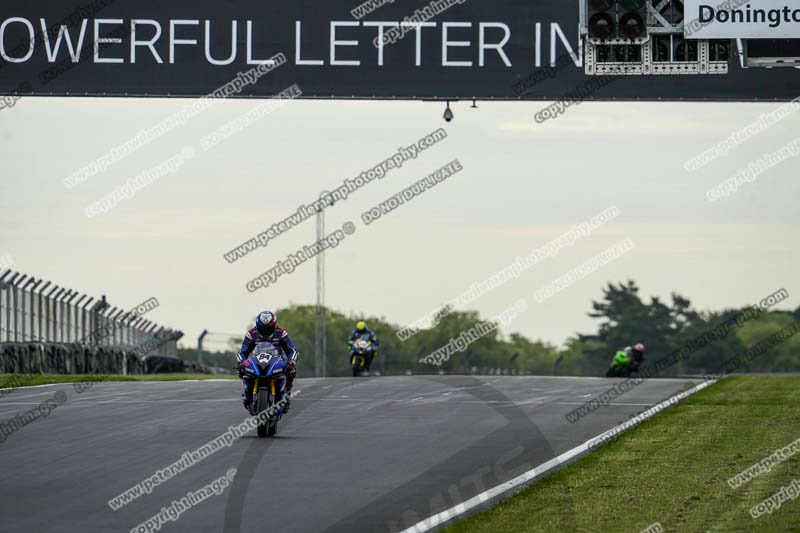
[[267, 330], [626, 361], [361, 329]]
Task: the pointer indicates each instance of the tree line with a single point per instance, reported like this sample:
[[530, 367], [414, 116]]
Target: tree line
[[623, 317]]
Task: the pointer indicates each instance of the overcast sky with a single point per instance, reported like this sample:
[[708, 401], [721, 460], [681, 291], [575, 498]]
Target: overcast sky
[[523, 184]]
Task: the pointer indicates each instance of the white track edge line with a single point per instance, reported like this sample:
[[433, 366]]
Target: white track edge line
[[457, 510]]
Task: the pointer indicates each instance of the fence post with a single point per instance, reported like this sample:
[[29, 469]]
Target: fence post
[[4, 285], [108, 327], [22, 308], [68, 304], [4, 288], [42, 310], [123, 326], [86, 319], [130, 331], [200, 346], [59, 316], [155, 339], [53, 305], [23, 290], [118, 327], [50, 315], [54, 312], [16, 308], [79, 318], [73, 304], [27, 302], [135, 330], [143, 327], [34, 302], [9, 308], [96, 315], [141, 336], [64, 326], [149, 333], [158, 334]]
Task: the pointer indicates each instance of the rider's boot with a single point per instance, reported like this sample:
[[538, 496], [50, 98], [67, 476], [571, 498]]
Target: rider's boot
[[247, 399], [287, 395], [247, 405], [287, 401]]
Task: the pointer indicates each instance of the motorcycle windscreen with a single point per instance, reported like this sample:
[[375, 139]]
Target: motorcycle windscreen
[[265, 348]]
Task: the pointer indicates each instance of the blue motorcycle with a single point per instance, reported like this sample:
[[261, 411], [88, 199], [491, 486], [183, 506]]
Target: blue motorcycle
[[267, 370], [361, 350]]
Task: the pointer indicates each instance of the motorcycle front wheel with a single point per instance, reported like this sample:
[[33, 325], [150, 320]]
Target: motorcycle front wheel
[[357, 363], [262, 404]]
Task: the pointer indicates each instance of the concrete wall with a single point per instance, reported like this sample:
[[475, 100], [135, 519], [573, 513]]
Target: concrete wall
[[51, 358]]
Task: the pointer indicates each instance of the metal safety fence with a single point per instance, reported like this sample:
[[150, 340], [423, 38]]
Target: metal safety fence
[[37, 310]]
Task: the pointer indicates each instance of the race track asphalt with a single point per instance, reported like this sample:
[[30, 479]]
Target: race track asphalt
[[367, 454]]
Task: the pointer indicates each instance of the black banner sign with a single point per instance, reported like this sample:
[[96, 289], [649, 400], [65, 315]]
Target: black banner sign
[[405, 49]]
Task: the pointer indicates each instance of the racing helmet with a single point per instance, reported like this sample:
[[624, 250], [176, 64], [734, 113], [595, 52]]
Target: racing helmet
[[266, 322], [638, 351]]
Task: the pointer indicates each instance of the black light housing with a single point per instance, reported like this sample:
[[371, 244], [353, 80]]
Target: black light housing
[[602, 18], [632, 18], [631, 25]]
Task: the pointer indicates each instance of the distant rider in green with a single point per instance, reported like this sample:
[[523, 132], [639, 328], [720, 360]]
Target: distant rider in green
[[626, 361]]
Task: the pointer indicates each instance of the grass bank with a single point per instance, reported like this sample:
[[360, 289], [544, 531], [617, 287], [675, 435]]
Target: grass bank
[[673, 470]]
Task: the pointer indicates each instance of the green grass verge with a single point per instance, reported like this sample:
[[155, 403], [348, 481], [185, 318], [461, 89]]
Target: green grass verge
[[673, 469], [26, 380]]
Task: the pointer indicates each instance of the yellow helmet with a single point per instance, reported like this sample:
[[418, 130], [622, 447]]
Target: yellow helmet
[[361, 326]]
